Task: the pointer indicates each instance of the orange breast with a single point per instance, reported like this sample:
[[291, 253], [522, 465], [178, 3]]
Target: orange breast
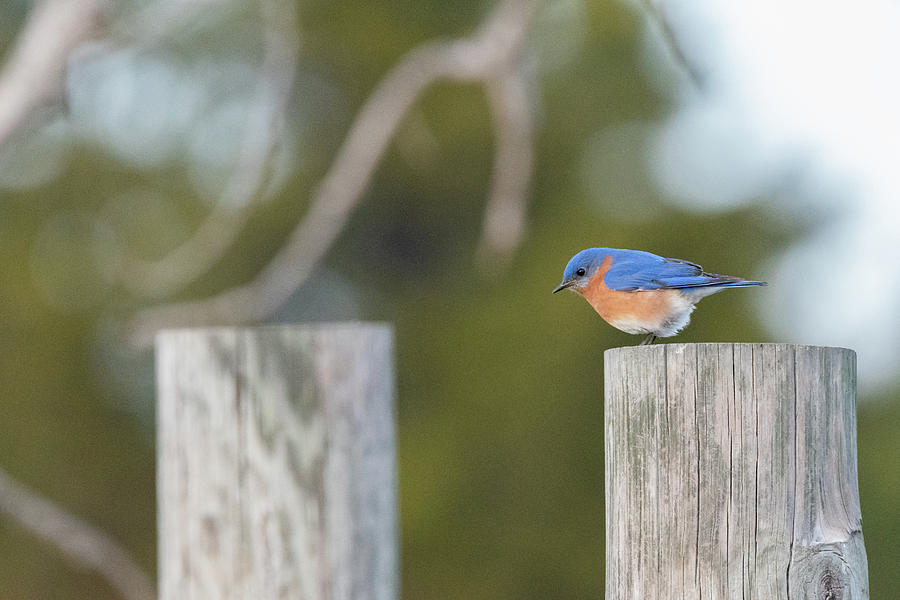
[[650, 308]]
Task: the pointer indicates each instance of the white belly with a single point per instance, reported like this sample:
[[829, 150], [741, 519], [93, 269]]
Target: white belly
[[675, 319]]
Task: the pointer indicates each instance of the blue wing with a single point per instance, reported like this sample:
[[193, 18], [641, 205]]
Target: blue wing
[[632, 270]]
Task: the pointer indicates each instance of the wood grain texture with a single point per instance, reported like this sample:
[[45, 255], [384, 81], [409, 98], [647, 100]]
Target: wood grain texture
[[276, 463], [731, 473]]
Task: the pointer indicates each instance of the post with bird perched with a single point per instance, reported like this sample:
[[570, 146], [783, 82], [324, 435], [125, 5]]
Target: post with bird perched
[[730, 468], [276, 463], [731, 473]]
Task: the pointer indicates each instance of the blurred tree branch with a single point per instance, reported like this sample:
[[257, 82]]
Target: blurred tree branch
[[83, 544], [264, 129], [34, 72], [489, 57], [33, 76], [657, 11], [504, 216]]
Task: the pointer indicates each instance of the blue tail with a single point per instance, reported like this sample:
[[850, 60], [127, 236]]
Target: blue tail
[[740, 283], [708, 280]]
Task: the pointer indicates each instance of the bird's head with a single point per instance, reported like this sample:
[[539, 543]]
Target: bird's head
[[580, 269]]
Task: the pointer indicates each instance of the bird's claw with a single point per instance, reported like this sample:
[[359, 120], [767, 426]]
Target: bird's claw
[[648, 340]]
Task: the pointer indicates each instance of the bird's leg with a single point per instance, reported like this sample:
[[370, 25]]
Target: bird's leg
[[648, 340]]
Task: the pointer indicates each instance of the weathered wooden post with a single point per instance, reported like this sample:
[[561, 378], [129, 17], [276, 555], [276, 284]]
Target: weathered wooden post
[[731, 473], [276, 463]]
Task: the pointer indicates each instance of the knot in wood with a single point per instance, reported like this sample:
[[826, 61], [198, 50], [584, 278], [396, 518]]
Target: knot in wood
[[831, 585]]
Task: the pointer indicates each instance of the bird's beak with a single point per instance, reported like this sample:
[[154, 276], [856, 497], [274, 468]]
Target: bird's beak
[[563, 286]]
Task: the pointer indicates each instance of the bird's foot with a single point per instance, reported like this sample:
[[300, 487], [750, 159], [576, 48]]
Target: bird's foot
[[648, 340]]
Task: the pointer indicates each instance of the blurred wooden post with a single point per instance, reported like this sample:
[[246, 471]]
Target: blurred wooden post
[[731, 473], [276, 463]]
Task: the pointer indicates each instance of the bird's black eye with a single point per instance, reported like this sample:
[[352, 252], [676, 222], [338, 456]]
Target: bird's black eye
[[580, 272]]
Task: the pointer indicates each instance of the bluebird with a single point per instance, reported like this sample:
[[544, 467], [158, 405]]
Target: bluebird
[[642, 293]]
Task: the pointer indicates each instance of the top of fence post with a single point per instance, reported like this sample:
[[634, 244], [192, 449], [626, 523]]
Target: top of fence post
[[731, 473], [276, 463]]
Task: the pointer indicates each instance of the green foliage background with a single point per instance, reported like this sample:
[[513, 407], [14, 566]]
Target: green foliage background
[[500, 383]]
